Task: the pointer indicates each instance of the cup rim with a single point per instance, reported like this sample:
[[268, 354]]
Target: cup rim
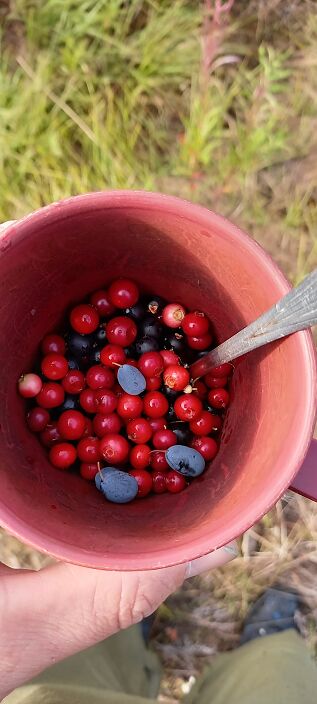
[[65, 208]]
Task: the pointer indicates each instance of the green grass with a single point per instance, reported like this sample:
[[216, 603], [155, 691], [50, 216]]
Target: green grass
[[113, 94]]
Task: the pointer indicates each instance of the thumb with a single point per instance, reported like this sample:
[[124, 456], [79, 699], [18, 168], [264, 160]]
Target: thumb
[[65, 608], [110, 601]]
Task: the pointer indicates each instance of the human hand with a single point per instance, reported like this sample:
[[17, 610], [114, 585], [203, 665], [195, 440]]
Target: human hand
[[48, 615]]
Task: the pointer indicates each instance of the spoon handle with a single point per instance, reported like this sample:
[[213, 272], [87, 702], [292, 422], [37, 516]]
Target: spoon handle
[[295, 311]]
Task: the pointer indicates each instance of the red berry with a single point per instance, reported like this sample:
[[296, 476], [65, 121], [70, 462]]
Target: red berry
[[157, 424], [84, 318], [144, 480], [73, 382], [62, 455], [114, 448], [88, 471], [218, 398], [169, 357], [106, 401], [131, 362], [53, 343], [123, 293], [140, 456], [139, 430], [176, 377], [50, 436], [88, 450], [87, 401], [158, 482], [88, 428], [173, 314], [195, 324], [207, 447], [71, 425], [29, 385], [175, 482], [54, 366], [200, 343], [163, 439], [187, 407], [100, 300], [37, 419], [129, 406], [158, 461], [153, 383], [112, 355], [215, 382], [203, 424], [151, 364], [155, 404], [121, 331], [51, 395], [200, 389], [117, 389], [222, 370], [103, 425], [99, 377]]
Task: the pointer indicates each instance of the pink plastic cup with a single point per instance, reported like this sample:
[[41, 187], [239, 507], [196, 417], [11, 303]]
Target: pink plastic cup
[[55, 256]]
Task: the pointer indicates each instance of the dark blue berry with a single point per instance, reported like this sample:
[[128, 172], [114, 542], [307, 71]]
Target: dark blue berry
[[215, 411], [100, 336], [150, 327], [170, 394], [146, 344], [182, 432], [130, 352], [118, 487], [138, 311], [171, 415], [174, 340], [202, 353], [155, 305], [94, 357], [80, 345], [185, 460], [72, 363], [188, 356], [100, 475], [70, 403], [131, 380]]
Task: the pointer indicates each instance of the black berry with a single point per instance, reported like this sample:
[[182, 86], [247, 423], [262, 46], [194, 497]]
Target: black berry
[[146, 344], [80, 345]]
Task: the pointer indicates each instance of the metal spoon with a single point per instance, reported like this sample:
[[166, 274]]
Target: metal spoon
[[295, 311]]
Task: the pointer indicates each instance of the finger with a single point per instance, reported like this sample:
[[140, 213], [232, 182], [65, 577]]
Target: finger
[[143, 592], [121, 599], [212, 560], [65, 608]]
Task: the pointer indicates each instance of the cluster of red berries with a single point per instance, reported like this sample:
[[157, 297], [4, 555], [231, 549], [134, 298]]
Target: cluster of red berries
[[88, 421]]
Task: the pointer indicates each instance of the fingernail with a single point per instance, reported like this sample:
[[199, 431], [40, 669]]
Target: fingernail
[[232, 549], [212, 560]]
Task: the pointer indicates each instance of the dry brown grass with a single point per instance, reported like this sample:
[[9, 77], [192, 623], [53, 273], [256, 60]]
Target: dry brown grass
[[16, 555], [205, 617]]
